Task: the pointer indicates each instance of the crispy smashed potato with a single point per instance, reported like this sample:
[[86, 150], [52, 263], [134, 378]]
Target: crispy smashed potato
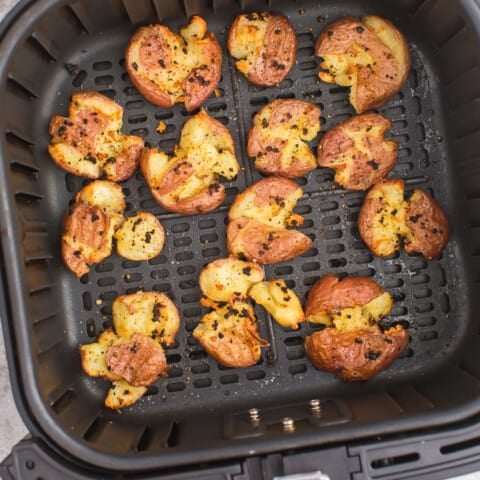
[[258, 221], [188, 181], [371, 56], [90, 224], [280, 302], [387, 221], [140, 361], [140, 237], [277, 139], [265, 46], [230, 335], [88, 142], [352, 345], [358, 151], [226, 278], [121, 395], [150, 313], [168, 68]]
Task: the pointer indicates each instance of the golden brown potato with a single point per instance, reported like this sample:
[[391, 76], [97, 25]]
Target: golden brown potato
[[121, 395], [387, 220], [356, 354], [280, 302], [227, 278], [358, 151], [140, 237], [150, 313], [105, 194], [88, 142], [140, 361], [188, 181], [265, 46], [168, 68], [254, 240], [277, 139], [352, 345], [229, 334], [371, 56], [258, 221]]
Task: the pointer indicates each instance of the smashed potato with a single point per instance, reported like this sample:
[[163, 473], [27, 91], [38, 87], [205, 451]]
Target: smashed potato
[[352, 345], [277, 139], [230, 335], [258, 221], [167, 68], [387, 221], [265, 46], [188, 181], [140, 237], [150, 313], [90, 224], [88, 142], [280, 302], [226, 278], [371, 56], [358, 151]]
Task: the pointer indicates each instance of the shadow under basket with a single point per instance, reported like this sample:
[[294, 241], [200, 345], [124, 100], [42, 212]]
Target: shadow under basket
[[204, 411]]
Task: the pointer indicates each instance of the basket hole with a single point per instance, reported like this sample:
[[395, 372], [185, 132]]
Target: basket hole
[[174, 372], [306, 52], [163, 115], [145, 440], [182, 242], [105, 65], [138, 118], [445, 303], [255, 375], [337, 262], [156, 274], [304, 37], [207, 223], [79, 78], [313, 252], [87, 301], [427, 336], [309, 65], [258, 101], [332, 234], [190, 298], [202, 383], [227, 379], [135, 105], [211, 252], [331, 220], [104, 80], [328, 206], [209, 238], [296, 354], [309, 281], [91, 328], [175, 387], [426, 321], [197, 355], [424, 307], [184, 256], [363, 258], [398, 460], [336, 248], [310, 267], [392, 268], [186, 270], [62, 402], [200, 368], [420, 278], [283, 270], [187, 284], [106, 281], [422, 292], [297, 369], [393, 283], [293, 341]]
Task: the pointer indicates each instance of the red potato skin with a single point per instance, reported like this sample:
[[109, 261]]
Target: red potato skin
[[429, 225], [367, 169], [355, 355], [88, 225], [198, 85], [277, 55], [263, 244], [273, 187], [329, 294], [375, 86]]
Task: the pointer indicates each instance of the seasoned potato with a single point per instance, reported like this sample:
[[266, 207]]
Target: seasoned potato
[[229, 334], [352, 345], [87, 236], [150, 313], [226, 278], [254, 240], [140, 361], [258, 221], [277, 139], [387, 220], [371, 56], [168, 68], [140, 237], [358, 151], [105, 194], [93, 358], [355, 354], [265, 46], [188, 181], [88, 142], [280, 302]]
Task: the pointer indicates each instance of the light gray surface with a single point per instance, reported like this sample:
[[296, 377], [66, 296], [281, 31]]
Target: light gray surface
[[12, 429]]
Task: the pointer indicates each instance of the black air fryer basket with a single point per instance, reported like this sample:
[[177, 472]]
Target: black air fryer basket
[[204, 412]]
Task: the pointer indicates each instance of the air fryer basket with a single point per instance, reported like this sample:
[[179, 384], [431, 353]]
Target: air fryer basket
[[201, 411]]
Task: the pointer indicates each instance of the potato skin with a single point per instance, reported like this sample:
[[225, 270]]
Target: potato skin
[[330, 294], [358, 151], [265, 45], [253, 240], [285, 154], [428, 224], [380, 63], [88, 143], [150, 62], [358, 354]]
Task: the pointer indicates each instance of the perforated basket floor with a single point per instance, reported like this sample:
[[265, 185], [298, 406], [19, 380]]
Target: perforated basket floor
[[425, 293]]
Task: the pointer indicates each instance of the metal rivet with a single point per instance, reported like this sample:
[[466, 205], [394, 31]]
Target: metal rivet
[[288, 424], [254, 415], [315, 407]]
